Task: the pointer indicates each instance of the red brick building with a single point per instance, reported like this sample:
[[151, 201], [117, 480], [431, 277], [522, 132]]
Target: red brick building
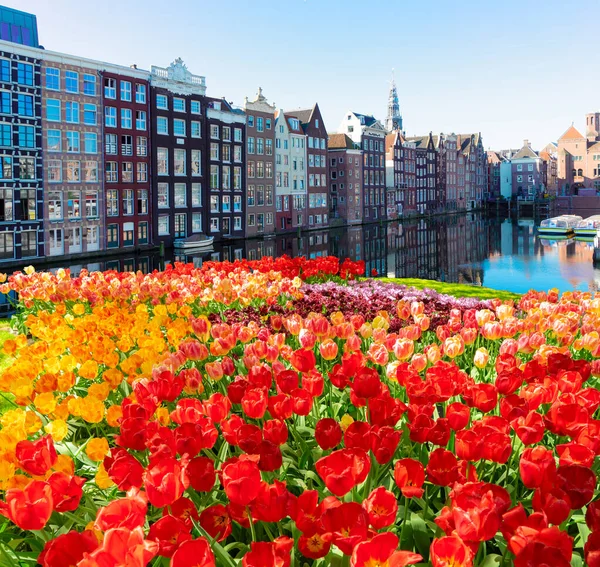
[[345, 180]]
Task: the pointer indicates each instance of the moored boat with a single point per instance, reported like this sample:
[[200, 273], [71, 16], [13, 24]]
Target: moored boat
[[588, 228], [559, 226], [194, 242]]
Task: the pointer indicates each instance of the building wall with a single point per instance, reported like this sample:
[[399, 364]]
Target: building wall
[[345, 172], [527, 177], [451, 159], [21, 176], [316, 150], [260, 137], [72, 143], [127, 156], [373, 146]]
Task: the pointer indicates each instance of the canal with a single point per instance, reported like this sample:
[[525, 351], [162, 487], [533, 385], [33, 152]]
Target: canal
[[470, 248]]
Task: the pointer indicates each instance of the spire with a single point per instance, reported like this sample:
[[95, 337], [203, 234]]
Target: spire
[[394, 118]]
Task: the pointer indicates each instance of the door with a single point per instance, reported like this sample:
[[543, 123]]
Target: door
[[180, 222]]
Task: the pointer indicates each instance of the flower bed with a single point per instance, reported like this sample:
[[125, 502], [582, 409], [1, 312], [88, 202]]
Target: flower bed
[[256, 414]]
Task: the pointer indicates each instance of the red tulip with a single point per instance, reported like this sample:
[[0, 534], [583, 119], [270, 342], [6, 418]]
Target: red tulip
[[381, 550], [381, 507], [537, 467], [67, 549], [123, 469], [215, 521], [450, 551], [272, 502], [409, 475], [344, 469], [442, 468], [165, 481], [348, 523], [303, 360], [36, 457], [578, 482], [170, 533], [29, 508], [128, 512], [241, 481], [66, 491], [201, 473], [194, 553], [328, 433]]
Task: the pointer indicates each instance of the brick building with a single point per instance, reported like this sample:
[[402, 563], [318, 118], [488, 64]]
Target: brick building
[[345, 180]]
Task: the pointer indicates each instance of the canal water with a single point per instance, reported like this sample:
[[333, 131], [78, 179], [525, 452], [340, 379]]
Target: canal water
[[469, 248]]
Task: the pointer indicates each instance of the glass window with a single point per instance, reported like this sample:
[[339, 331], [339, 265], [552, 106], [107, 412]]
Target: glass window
[[90, 171], [55, 206], [53, 110], [53, 79], [214, 177], [259, 124], [53, 138], [162, 125], [26, 136], [214, 131], [196, 194], [214, 152], [237, 204], [73, 171], [226, 133], [126, 91], [112, 203], [163, 195], [89, 85], [179, 127], [73, 204], [72, 112], [29, 203], [89, 114], [162, 102], [91, 205], [179, 157], [27, 168], [179, 195], [5, 102], [25, 104], [25, 74], [143, 233], [142, 196], [73, 142], [110, 88], [237, 178], [162, 155], [71, 82], [195, 106], [126, 120], [196, 133], [179, 104], [214, 204], [54, 170], [112, 173], [142, 172], [140, 93], [163, 225], [196, 162], [110, 144], [128, 202], [251, 121], [127, 145], [237, 153], [237, 135], [140, 120], [196, 222], [226, 204], [91, 142], [127, 171], [142, 146], [226, 182], [110, 117], [112, 236]]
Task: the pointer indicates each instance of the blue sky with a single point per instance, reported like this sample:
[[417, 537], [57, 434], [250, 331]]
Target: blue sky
[[502, 68]]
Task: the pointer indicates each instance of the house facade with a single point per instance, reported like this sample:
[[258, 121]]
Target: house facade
[[475, 164], [290, 173], [393, 173], [345, 180], [494, 160], [260, 146]]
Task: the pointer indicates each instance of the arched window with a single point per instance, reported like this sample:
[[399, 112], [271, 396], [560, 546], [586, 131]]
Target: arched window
[[580, 172], [574, 172]]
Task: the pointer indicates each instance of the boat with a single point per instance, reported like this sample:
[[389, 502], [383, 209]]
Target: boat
[[194, 242], [588, 228], [559, 226]]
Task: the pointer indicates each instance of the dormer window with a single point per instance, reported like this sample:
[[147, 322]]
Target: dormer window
[[295, 124]]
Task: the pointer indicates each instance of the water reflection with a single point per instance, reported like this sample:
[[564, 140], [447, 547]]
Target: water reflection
[[471, 248]]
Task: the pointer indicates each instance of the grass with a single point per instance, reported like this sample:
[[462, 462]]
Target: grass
[[456, 290]]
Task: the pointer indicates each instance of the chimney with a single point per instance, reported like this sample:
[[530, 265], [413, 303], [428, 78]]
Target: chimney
[[134, 66], [526, 143]]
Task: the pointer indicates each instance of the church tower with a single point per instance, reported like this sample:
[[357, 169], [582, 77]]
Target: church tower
[[394, 118]]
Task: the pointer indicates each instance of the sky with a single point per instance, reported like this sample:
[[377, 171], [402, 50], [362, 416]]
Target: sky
[[510, 69]]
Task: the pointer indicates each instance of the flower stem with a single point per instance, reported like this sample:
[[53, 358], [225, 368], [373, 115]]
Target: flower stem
[[252, 529]]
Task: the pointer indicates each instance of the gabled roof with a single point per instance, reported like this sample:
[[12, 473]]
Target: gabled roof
[[493, 157], [572, 134], [365, 119], [525, 153], [304, 114], [419, 141], [390, 140], [340, 142], [594, 147]]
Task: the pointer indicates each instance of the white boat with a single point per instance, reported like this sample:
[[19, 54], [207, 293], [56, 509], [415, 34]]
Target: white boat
[[559, 226], [194, 242], [588, 228]]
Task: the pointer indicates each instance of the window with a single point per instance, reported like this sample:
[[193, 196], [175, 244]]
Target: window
[[214, 131], [73, 171], [6, 135], [268, 123], [90, 171], [71, 82], [162, 158], [179, 104], [179, 166], [178, 127], [112, 236], [269, 169], [73, 204], [112, 203], [251, 121], [250, 145], [142, 201], [196, 222], [6, 204], [142, 146], [72, 112], [126, 120], [214, 151], [25, 104], [251, 169], [260, 169], [530, 167], [54, 170], [226, 134], [163, 225], [29, 204], [269, 195], [110, 88], [163, 195], [162, 125], [143, 233], [260, 195], [126, 91], [128, 234], [52, 78], [162, 103], [142, 172], [55, 206], [196, 194], [195, 106], [25, 74], [195, 128], [73, 142], [89, 114], [251, 195], [140, 93], [260, 221], [269, 146], [237, 135], [237, 153], [127, 172], [269, 218], [110, 117], [110, 144], [226, 183], [226, 152], [140, 120], [111, 172], [214, 204], [26, 136], [214, 176], [237, 203], [251, 219], [196, 162], [5, 102], [179, 195], [237, 178], [127, 145], [90, 143], [89, 85], [226, 204], [128, 202], [260, 146]]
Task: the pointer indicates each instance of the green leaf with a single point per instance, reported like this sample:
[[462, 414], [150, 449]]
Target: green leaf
[[576, 560], [420, 534], [493, 560]]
